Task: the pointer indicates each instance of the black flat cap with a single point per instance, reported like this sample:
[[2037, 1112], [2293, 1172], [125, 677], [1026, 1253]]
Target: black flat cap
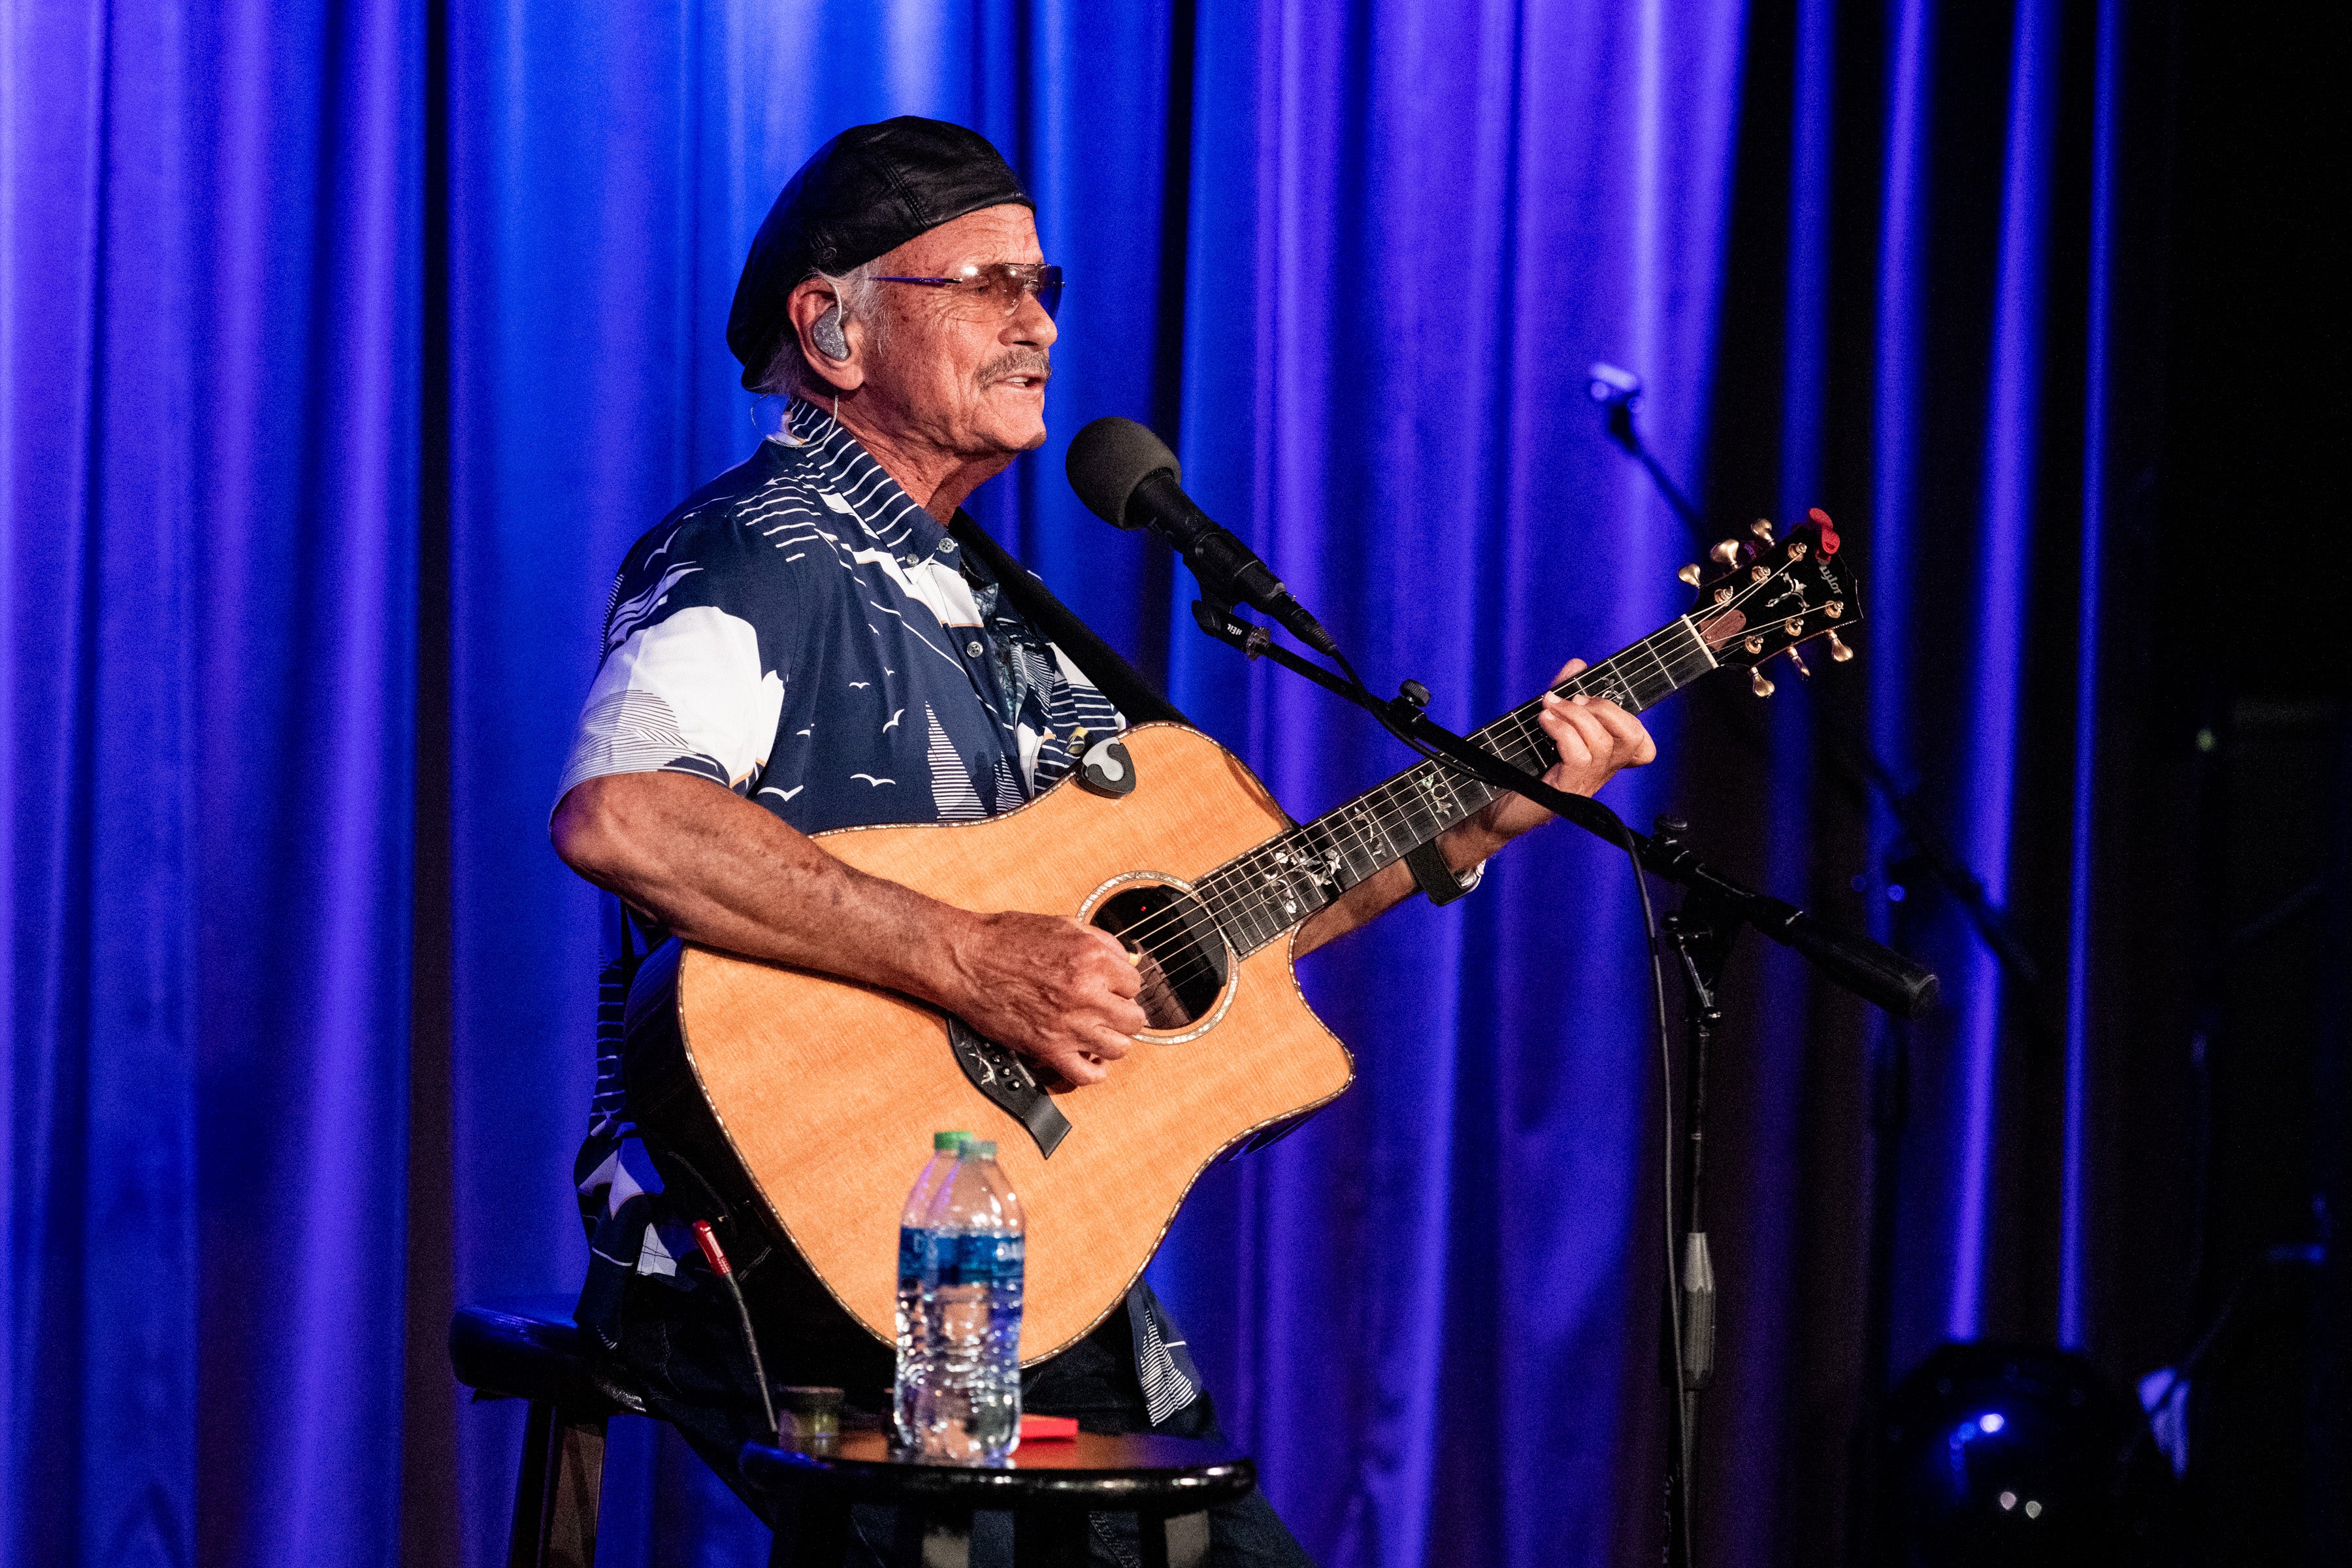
[[867, 191]]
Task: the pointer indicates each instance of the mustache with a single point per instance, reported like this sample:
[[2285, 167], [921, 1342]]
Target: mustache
[[1020, 362]]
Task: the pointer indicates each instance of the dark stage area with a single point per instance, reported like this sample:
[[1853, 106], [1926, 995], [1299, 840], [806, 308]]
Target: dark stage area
[[347, 348]]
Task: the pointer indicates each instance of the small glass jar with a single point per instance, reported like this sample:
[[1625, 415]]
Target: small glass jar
[[810, 1419]]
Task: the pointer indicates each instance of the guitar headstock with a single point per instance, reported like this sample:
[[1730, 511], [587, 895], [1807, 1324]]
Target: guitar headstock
[[1767, 595]]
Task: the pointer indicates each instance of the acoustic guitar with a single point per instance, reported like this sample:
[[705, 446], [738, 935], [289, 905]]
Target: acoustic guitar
[[801, 1104]]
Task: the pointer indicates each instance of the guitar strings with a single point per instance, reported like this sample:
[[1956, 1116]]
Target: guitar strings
[[1387, 806]]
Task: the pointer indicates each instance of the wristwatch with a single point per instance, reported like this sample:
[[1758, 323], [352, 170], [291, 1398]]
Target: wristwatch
[[1436, 879]]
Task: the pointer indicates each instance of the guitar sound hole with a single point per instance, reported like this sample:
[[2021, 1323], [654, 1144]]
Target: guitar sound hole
[[1184, 956]]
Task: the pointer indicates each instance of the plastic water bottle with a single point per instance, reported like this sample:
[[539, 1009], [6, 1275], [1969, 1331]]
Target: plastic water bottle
[[914, 1263], [969, 1408]]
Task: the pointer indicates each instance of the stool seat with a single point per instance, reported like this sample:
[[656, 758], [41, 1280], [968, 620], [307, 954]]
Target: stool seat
[[1169, 1483], [529, 1348]]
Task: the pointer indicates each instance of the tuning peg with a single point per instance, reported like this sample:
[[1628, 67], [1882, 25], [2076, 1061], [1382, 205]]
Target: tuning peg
[[1689, 575], [1839, 652], [1727, 552], [1762, 529], [1803, 673], [1758, 684]]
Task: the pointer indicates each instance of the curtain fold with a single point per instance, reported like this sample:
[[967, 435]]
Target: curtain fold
[[210, 385]]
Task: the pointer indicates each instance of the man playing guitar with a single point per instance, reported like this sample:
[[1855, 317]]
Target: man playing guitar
[[802, 645]]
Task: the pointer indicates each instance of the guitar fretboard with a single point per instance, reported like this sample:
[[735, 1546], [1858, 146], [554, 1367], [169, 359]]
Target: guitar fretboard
[[1256, 897]]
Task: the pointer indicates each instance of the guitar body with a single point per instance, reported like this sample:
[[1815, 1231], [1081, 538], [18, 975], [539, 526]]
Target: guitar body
[[823, 1095]]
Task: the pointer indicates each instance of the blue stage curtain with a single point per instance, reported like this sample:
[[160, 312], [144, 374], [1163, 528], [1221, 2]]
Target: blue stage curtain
[[340, 344], [1414, 226], [1920, 337], [209, 447]]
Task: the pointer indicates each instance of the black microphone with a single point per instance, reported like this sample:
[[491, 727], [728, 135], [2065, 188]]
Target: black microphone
[[1128, 478]]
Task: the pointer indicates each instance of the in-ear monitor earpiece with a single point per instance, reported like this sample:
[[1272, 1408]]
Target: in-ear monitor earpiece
[[826, 333]]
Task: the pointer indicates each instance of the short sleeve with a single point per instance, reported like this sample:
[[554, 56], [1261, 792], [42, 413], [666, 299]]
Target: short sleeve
[[685, 695], [684, 687]]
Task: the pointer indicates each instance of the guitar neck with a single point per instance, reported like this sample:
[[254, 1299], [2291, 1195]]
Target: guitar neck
[[1257, 897]]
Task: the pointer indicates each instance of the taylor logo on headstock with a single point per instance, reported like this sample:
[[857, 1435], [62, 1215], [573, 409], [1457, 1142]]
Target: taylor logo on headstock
[[1772, 594]]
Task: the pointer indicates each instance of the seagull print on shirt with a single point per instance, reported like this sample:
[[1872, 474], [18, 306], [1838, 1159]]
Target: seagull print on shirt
[[871, 780]]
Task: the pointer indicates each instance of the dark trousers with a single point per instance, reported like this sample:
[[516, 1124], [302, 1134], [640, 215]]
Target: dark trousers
[[686, 1351]]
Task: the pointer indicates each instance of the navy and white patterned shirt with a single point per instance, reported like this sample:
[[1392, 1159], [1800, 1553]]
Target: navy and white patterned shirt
[[802, 632]]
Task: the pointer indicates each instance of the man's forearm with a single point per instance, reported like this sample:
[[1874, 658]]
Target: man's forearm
[[721, 871], [1464, 846]]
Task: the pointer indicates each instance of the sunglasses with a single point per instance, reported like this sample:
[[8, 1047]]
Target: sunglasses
[[996, 289]]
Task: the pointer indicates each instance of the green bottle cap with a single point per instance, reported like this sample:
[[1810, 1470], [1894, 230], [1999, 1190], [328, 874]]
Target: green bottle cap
[[949, 1142], [980, 1149]]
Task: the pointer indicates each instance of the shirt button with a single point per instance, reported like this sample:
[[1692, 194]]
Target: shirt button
[[974, 649]]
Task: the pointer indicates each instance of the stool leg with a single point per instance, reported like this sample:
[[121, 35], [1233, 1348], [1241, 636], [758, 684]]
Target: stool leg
[[558, 1490], [577, 1494], [1049, 1538], [932, 1537], [1180, 1541], [530, 1525]]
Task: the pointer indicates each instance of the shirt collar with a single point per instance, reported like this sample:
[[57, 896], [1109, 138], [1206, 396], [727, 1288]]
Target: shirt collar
[[887, 514]]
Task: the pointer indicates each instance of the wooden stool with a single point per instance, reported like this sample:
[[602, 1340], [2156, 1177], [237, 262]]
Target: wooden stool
[[530, 1350], [1169, 1483]]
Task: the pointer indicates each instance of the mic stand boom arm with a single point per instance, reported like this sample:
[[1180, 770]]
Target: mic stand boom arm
[[1870, 970]]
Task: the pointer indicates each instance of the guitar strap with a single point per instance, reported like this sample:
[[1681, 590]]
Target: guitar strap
[[1116, 679], [1125, 685]]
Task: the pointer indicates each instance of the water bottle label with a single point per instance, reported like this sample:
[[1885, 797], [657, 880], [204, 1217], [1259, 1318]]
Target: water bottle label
[[979, 1259], [914, 1249]]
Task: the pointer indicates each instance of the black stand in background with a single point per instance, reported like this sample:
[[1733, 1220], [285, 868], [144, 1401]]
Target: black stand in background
[[1889, 1067], [1701, 933], [1715, 907]]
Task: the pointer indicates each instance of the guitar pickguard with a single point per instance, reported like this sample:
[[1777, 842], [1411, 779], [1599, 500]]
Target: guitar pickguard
[[1008, 1083]]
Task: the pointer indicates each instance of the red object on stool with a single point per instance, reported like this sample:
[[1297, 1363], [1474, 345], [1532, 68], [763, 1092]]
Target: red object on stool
[[1049, 1428]]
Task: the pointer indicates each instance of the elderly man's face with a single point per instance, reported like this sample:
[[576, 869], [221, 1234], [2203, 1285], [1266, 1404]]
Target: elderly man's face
[[950, 373]]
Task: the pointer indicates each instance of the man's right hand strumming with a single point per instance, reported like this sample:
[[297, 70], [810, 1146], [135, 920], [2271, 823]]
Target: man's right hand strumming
[[1054, 989]]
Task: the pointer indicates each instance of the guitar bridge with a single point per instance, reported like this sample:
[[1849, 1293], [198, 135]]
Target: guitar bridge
[[1001, 1075]]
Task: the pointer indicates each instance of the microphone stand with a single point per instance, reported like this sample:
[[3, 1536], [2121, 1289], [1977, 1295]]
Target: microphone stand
[[1870, 969], [1889, 1073], [1714, 906]]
